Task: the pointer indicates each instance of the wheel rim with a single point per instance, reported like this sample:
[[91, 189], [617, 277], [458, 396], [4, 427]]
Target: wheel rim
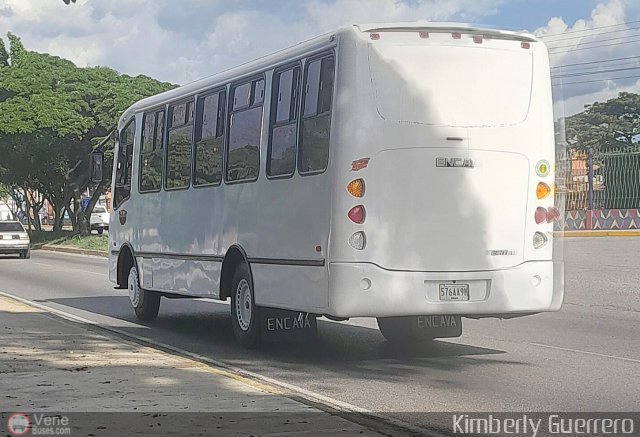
[[134, 289], [244, 305]]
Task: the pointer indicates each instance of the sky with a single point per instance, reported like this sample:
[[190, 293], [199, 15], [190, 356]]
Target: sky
[[183, 40]]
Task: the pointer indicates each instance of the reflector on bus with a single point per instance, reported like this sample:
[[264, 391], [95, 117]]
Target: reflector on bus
[[356, 188]]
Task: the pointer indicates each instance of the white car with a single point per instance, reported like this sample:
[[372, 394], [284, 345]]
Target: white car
[[99, 219], [14, 239]]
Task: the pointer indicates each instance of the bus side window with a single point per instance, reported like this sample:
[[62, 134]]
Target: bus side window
[[245, 130], [281, 154], [180, 136], [209, 138], [124, 165], [316, 115], [151, 152]]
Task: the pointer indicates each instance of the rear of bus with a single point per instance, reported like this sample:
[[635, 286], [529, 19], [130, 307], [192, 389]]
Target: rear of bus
[[443, 156]]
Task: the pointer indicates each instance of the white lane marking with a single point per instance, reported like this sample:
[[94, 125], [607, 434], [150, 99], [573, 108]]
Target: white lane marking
[[63, 269], [304, 393], [578, 351]]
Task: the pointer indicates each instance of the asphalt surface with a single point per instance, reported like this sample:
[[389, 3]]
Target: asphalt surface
[[584, 358]]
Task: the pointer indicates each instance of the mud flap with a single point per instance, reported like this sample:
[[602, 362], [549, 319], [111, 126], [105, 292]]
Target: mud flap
[[285, 325], [442, 326]]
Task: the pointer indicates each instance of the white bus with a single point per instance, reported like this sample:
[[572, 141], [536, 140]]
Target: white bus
[[397, 171]]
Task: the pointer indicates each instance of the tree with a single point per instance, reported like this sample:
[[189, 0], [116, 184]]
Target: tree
[[4, 192], [606, 125], [611, 130], [52, 114]]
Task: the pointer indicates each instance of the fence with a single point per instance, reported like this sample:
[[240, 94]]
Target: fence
[[602, 189]]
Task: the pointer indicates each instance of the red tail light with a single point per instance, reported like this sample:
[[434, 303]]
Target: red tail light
[[456, 35], [424, 34], [357, 214], [546, 214], [374, 36], [552, 214]]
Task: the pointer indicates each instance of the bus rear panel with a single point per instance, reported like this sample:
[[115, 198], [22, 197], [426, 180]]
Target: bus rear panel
[[451, 134]]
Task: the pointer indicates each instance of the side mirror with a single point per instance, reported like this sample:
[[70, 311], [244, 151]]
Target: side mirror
[[97, 166]]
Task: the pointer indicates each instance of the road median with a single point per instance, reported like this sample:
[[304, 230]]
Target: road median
[[69, 249]]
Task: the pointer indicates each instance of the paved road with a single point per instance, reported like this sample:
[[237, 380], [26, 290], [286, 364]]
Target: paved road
[[583, 358]]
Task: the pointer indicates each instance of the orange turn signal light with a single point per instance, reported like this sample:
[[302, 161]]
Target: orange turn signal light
[[542, 190], [356, 187]]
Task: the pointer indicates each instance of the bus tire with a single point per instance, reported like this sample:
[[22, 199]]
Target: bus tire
[[244, 312], [399, 330], [145, 303]]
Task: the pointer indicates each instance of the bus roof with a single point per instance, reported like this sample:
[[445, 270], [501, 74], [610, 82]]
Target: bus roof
[[317, 43], [445, 27]]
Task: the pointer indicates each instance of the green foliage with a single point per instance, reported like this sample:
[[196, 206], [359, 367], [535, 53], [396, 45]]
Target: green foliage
[[70, 239], [53, 113], [612, 130], [4, 55], [4, 192], [606, 125]]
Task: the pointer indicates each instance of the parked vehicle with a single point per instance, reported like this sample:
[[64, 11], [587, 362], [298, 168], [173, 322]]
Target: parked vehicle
[[14, 239], [99, 219]]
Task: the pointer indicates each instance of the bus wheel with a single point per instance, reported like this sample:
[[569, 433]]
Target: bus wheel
[[399, 330], [145, 303], [244, 313]]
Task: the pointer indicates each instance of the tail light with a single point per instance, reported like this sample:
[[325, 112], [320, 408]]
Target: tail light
[[539, 240], [542, 190], [358, 240], [357, 214], [456, 35], [424, 35], [356, 187], [546, 214], [552, 214], [543, 168], [525, 45], [541, 215], [374, 36]]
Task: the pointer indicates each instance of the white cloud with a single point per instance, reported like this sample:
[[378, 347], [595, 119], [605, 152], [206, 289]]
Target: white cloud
[[603, 36], [575, 104], [190, 39], [180, 41]]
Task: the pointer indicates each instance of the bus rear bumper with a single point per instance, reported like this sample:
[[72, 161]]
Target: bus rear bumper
[[366, 290]]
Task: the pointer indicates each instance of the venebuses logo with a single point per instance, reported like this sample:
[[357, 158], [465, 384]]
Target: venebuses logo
[[18, 424]]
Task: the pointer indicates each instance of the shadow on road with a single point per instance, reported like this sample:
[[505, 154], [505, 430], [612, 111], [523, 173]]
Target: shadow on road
[[204, 327]]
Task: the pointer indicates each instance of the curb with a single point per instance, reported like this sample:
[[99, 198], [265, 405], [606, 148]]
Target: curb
[[599, 233], [374, 421], [67, 249]]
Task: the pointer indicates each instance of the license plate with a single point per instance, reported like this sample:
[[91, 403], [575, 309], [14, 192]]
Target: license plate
[[454, 292]]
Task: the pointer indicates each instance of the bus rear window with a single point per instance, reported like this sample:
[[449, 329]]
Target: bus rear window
[[451, 85]]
